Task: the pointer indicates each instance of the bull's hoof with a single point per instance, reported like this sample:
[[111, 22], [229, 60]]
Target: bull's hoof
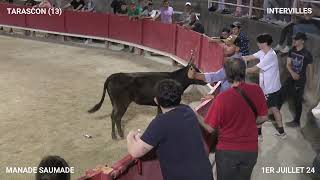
[[121, 135], [114, 136]]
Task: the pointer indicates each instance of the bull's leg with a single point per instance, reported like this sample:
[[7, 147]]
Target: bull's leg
[[113, 133], [118, 114]]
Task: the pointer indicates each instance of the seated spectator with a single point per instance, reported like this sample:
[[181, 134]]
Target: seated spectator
[[175, 135], [166, 13], [238, 11], [123, 9], [233, 116], [149, 13], [306, 25], [185, 17], [134, 11], [89, 6], [53, 162], [77, 4], [269, 17], [195, 25], [244, 42]]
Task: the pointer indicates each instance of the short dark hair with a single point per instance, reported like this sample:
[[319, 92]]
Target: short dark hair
[[49, 162], [168, 93], [225, 29], [265, 38], [235, 70]]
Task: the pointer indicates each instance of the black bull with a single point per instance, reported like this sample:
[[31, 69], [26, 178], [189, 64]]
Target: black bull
[[123, 88]]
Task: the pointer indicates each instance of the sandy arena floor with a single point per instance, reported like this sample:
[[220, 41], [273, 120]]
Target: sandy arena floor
[[47, 88]]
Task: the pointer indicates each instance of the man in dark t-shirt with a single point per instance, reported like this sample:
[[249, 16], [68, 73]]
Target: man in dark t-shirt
[[298, 60], [177, 137]]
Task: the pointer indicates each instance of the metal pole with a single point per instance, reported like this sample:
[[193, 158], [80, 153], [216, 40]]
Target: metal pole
[[250, 8]]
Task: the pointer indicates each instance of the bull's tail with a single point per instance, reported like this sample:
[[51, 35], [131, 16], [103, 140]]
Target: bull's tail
[[98, 106]]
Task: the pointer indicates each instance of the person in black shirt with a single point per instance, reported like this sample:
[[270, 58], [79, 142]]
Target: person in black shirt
[[195, 24], [123, 9], [77, 4], [176, 135], [298, 60]]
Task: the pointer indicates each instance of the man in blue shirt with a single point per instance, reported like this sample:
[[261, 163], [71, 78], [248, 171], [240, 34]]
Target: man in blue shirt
[[244, 42], [176, 135]]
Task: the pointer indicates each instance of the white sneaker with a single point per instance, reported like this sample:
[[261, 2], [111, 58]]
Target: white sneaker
[[282, 136], [285, 49], [277, 48], [316, 111], [260, 138]]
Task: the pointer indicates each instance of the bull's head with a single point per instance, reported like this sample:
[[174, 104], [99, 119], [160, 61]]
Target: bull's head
[[183, 74]]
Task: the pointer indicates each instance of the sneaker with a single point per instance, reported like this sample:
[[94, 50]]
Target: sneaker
[[260, 138], [282, 135], [278, 47], [292, 124], [316, 111], [285, 49]]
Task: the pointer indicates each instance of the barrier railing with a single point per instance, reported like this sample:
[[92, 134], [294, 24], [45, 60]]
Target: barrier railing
[[165, 39]]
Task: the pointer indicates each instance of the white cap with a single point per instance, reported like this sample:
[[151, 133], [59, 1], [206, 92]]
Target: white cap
[[188, 3]]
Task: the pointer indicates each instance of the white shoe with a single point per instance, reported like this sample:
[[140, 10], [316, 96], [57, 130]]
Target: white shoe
[[260, 138], [282, 136], [285, 49], [316, 111], [277, 48]]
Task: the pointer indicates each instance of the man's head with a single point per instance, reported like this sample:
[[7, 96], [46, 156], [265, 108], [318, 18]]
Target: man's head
[[52, 162], [299, 39], [165, 3], [235, 28], [225, 33], [132, 5], [150, 6], [264, 41], [168, 93], [188, 7], [123, 6], [235, 70]]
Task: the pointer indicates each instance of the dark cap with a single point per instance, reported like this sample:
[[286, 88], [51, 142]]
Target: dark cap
[[236, 24], [300, 36]]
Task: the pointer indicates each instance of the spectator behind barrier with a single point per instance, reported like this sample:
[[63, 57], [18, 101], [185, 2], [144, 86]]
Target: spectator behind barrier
[[220, 75], [306, 25], [134, 11], [166, 13], [149, 12], [298, 61], [228, 45], [116, 5], [185, 17], [195, 25], [176, 137], [53, 162], [89, 6], [244, 42], [44, 4], [123, 11], [269, 78], [234, 121], [77, 4], [30, 3], [225, 33]]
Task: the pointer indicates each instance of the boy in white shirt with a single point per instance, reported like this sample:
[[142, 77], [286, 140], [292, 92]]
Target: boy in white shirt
[[269, 78]]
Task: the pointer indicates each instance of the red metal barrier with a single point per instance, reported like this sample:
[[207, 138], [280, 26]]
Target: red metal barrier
[[186, 41], [159, 36], [121, 28], [211, 56], [14, 20], [86, 23], [46, 22]]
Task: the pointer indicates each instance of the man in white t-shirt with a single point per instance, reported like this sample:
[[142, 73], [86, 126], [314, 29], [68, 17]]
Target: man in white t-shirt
[[269, 78]]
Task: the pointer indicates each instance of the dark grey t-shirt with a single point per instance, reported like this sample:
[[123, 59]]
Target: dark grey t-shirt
[[177, 137]]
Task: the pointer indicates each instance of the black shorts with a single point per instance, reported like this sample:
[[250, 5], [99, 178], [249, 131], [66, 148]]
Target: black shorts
[[273, 99]]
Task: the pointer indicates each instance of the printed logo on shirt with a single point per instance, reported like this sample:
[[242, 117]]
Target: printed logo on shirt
[[297, 62]]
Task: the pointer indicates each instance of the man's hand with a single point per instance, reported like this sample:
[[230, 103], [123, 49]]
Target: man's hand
[[133, 135], [295, 76], [207, 97]]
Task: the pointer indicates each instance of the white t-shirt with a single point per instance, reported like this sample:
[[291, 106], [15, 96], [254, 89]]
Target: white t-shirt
[[269, 76]]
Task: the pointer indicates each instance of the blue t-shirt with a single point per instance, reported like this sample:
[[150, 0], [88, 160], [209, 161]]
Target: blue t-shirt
[[177, 137]]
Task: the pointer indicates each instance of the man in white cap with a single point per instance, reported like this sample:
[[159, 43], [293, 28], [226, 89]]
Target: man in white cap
[[185, 17]]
